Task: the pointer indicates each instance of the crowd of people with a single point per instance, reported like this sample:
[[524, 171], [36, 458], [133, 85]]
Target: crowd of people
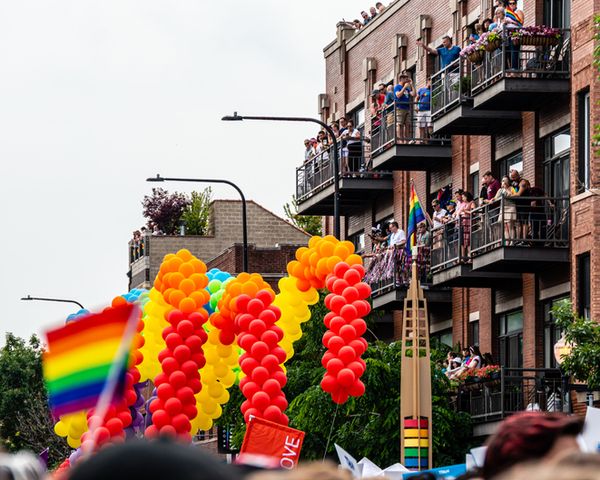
[[366, 16], [471, 360]]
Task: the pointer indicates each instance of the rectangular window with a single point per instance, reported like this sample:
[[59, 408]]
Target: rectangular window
[[510, 339], [358, 240], [583, 122], [474, 184], [474, 333], [584, 293], [556, 164], [443, 337], [557, 13], [551, 333], [506, 164]]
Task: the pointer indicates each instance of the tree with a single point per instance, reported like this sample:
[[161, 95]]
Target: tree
[[583, 334], [164, 209], [309, 223], [366, 426], [197, 213], [25, 422]]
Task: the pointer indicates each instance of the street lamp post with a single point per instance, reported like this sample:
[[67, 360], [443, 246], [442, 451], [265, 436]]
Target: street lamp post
[[158, 178], [61, 300], [336, 166]]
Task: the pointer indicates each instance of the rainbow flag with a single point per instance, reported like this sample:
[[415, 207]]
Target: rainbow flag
[[88, 358], [514, 16], [415, 216]]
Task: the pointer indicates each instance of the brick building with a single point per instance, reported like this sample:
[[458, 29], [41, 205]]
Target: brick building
[[534, 114], [272, 243]]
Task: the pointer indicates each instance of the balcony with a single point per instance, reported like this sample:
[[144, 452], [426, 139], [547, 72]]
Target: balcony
[[407, 146], [358, 185], [516, 389], [389, 275], [523, 77], [450, 262], [524, 235], [452, 105]]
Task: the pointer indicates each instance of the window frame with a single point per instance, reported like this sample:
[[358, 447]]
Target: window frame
[[505, 339], [584, 136], [584, 295]]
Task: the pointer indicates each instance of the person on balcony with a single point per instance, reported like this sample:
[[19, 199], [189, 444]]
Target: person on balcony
[[453, 364], [308, 150], [466, 207], [373, 12], [485, 25], [424, 112], [404, 94], [447, 52], [353, 148], [515, 179], [366, 18], [499, 20], [491, 185], [515, 18], [439, 214], [380, 7], [508, 210], [533, 219]]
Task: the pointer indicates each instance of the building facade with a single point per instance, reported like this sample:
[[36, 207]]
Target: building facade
[[531, 108]]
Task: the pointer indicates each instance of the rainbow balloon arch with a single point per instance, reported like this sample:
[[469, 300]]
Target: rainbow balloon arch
[[200, 332]]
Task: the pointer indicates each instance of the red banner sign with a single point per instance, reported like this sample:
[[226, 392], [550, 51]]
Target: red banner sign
[[269, 439]]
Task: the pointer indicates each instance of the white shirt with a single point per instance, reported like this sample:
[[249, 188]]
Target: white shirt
[[397, 238], [438, 216]]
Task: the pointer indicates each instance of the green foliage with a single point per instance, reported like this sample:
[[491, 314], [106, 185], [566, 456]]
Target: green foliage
[[309, 223], [366, 426], [584, 336], [25, 422], [197, 214]]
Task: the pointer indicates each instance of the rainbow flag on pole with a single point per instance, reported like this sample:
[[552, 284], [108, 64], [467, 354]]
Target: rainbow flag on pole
[[88, 359], [415, 216]]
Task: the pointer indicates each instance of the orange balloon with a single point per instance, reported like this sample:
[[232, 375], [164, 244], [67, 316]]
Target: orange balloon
[[354, 259], [186, 269], [187, 305], [187, 286], [250, 288], [199, 297], [117, 301], [184, 254], [173, 264], [175, 297], [175, 279], [199, 267]]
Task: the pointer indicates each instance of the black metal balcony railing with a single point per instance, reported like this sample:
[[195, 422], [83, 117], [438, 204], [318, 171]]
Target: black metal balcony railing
[[522, 221], [449, 87], [318, 173], [403, 126], [522, 61], [516, 390], [138, 249], [391, 269], [447, 246]]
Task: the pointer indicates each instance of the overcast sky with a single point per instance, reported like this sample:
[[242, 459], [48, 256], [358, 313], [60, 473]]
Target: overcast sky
[[95, 96]]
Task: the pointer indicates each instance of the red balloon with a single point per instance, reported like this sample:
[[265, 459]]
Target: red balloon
[[357, 346], [326, 337], [348, 333], [165, 391], [271, 387], [334, 366], [130, 397], [101, 435], [186, 396], [198, 318], [261, 400], [364, 290], [339, 285], [250, 412], [280, 377], [255, 306], [227, 337], [272, 413], [360, 326], [243, 320], [185, 328], [268, 317], [257, 327], [246, 404], [160, 418], [346, 354], [326, 357], [250, 388], [260, 375], [327, 303], [280, 402], [349, 312], [165, 353], [173, 340], [151, 432], [270, 362], [181, 423], [362, 308], [352, 276], [357, 368], [266, 297], [259, 349], [170, 365], [173, 406], [340, 269], [168, 431], [195, 343], [175, 316], [246, 341], [190, 411], [155, 405], [167, 331], [357, 389], [114, 426], [337, 303], [280, 354], [277, 330], [339, 397], [328, 383], [346, 377], [199, 359], [189, 368], [241, 302], [177, 380], [182, 353], [336, 324], [247, 364], [329, 282], [270, 337], [335, 344], [328, 316], [195, 384], [350, 294]]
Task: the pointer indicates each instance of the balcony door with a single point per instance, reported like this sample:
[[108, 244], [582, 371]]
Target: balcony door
[[556, 164], [510, 339], [557, 13]]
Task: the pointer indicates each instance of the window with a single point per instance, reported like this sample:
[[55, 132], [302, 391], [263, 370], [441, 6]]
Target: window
[[557, 13], [358, 240], [474, 333], [474, 186], [583, 285], [551, 333], [510, 339], [583, 121], [443, 337], [505, 165], [556, 164], [358, 117]]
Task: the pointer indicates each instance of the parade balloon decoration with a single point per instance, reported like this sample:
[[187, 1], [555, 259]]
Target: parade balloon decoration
[[346, 326]]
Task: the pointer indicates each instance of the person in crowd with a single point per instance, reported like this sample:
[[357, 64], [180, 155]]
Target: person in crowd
[[308, 150], [523, 207], [375, 109], [472, 361], [439, 214], [536, 223], [423, 235], [156, 231], [453, 364], [21, 466], [527, 436], [491, 185], [508, 211], [366, 18], [336, 132], [144, 231], [424, 112], [404, 94], [380, 7], [499, 20], [397, 237], [515, 179], [154, 460], [357, 24], [458, 201], [485, 25], [515, 18], [450, 209], [353, 147], [373, 12], [475, 34], [466, 207], [447, 53]]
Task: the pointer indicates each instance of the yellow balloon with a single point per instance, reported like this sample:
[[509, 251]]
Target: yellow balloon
[[74, 442], [61, 429]]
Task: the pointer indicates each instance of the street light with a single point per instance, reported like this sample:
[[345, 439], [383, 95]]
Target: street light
[[158, 178], [336, 167], [44, 299]]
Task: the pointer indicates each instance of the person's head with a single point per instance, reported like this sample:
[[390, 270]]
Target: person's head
[[514, 175], [357, 23], [307, 143], [486, 24], [524, 184], [458, 194], [529, 436], [446, 41], [364, 15], [512, 4], [421, 227], [373, 11], [381, 87], [474, 350], [320, 136], [467, 197], [450, 206], [466, 352], [379, 6], [343, 122], [350, 124], [389, 88], [428, 82], [499, 14], [402, 78], [488, 177], [505, 182], [393, 226], [143, 229], [436, 204], [478, 29]]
